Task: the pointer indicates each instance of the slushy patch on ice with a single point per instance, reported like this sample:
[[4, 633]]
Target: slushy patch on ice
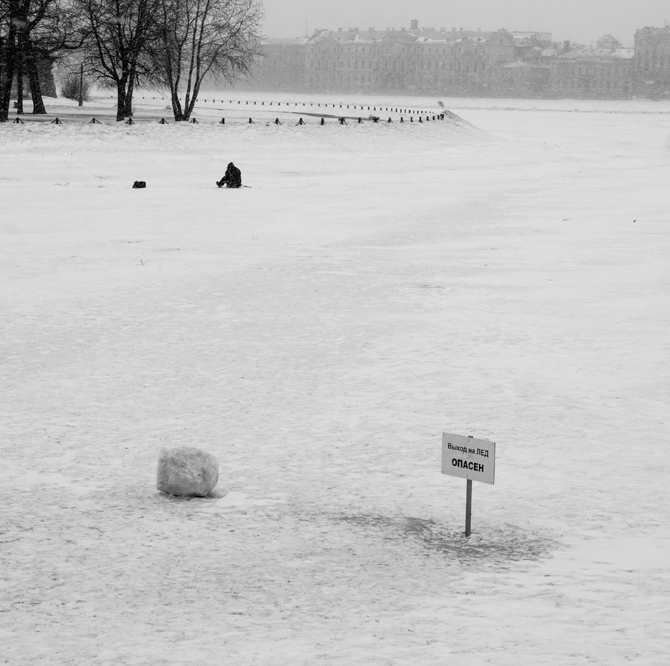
[[492, 546], [235, 501]]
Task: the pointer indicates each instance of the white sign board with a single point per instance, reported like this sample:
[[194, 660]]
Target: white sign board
[[468, 458]]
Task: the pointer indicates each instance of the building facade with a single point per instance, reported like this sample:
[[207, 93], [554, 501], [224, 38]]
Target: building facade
[[459, 62], [652, 62], [282, 65], [603, 72]]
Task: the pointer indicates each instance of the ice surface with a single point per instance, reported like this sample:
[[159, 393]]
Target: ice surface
[[317, 331]]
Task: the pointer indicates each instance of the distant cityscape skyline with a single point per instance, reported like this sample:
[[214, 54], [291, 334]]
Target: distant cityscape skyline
[[459, 62], [572, 20]]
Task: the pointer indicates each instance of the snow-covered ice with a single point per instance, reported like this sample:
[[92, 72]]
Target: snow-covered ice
[[374, 286]]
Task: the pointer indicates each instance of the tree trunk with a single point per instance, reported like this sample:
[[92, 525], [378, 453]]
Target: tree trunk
[[127, 105], [129, 95], [19, 75], [81, 84], [6, 88], [194, 98], [124, 97], [121, 103], [34, 78], [9, 54], [176, 106]]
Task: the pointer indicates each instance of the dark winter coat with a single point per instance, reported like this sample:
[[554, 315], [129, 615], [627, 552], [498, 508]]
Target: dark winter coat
[[232, 178]]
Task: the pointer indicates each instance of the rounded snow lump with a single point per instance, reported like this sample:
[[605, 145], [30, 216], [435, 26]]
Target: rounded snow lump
[[187, 472]]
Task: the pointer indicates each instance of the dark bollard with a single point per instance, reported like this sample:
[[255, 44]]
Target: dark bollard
[[223, 121], [93, 121], [411, 119], [18, 121], [323, 121], [360, 121], [56, 121], [342, 121], [194, 121], [162, 121], [389, 121], [251, 122], [130, 121], [300, 122], [277, 121], [402, 120], [139, 185], [420, 119]]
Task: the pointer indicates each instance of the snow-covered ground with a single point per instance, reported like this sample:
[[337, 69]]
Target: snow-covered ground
[[374, 286]]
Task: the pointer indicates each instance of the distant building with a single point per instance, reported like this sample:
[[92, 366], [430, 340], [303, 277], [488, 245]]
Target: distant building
[[652, 62], [281, 67], [421, 60], [602, 72], [521, 79], [528, 46], [431, 61]]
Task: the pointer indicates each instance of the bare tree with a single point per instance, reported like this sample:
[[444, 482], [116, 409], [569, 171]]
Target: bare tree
[[32, 32], [48, 29], [52, 31], [199, 38], [119, 34], [8, 53], [76, 87]]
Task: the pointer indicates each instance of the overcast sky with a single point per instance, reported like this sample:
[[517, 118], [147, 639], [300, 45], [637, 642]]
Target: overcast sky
[[582, 21]]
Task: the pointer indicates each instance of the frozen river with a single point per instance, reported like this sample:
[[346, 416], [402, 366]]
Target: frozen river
[[374, 286]]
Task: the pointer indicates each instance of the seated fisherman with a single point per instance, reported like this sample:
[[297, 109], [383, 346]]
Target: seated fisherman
[[233, 177]]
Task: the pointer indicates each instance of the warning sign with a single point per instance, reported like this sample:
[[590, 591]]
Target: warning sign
[[468, 458]]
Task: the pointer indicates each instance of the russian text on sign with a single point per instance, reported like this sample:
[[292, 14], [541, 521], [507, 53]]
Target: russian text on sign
[[468, 458]]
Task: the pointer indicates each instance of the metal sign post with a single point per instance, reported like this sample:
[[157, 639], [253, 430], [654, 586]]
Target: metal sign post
[[468, 507], [471, 459]]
